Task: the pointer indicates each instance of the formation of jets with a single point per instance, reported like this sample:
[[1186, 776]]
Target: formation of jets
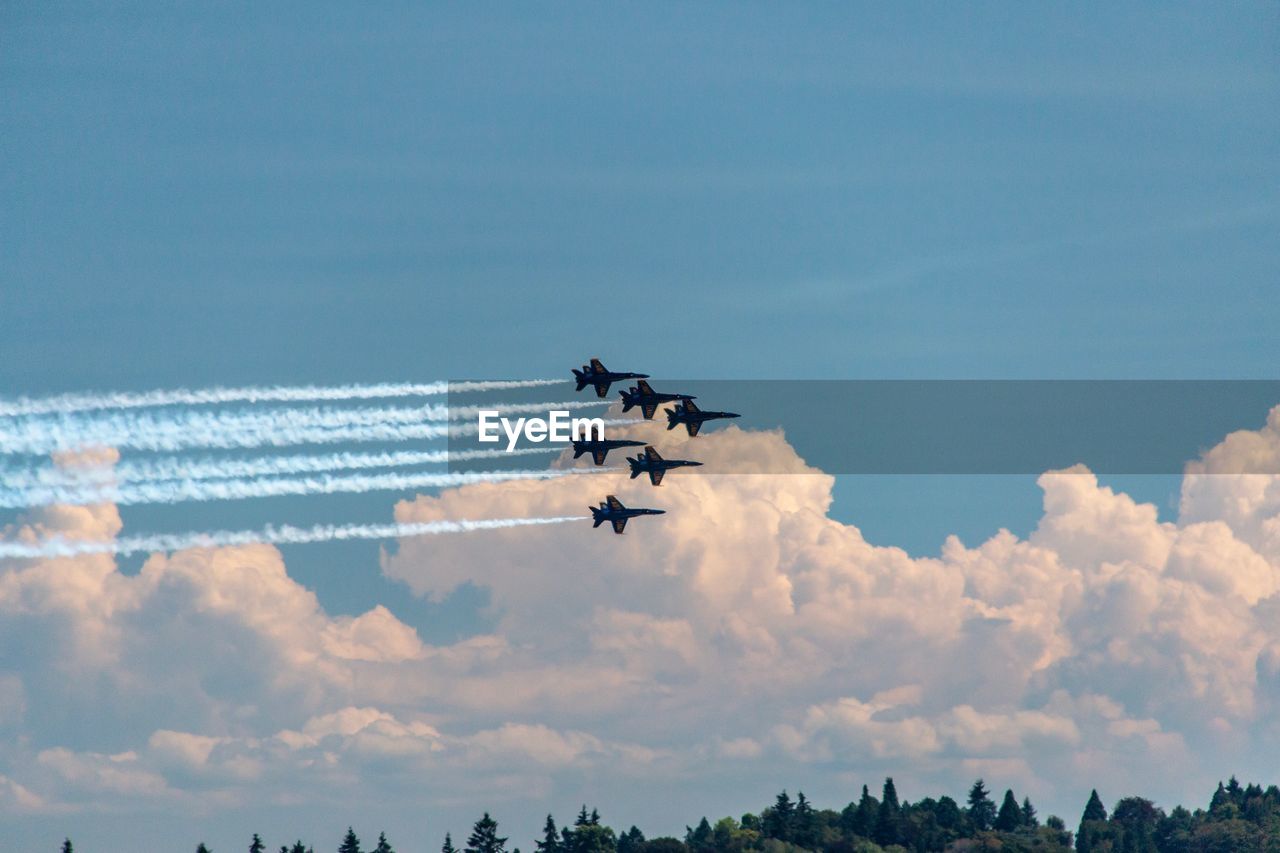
[[650, 462]]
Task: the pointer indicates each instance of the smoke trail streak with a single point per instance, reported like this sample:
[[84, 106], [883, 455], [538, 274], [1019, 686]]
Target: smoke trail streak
[[72, 403], [176, 468], [145, 431], [182, 491], [283, 535], [376, 433]]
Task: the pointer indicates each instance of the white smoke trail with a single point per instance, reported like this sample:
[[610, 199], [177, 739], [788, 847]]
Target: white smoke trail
[[314, 435], [182, 491], [284, 535], [177, 468], [228, 429], [72, 403]]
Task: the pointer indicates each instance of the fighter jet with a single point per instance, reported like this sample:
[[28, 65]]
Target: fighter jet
[[648, 399], [595, 374], [692, 417], [599, 447], [612, 511], [654, 465]]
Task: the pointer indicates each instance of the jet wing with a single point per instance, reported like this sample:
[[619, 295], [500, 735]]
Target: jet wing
[[602, 388], [689, 406], [648, 410], [598, 456], [597, 367], [644, 387], [693, 427], [652, 453], [613, 502], [655, 477], [619, 525]]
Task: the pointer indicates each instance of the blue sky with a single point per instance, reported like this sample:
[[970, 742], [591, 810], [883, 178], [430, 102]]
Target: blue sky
[[316, 193]]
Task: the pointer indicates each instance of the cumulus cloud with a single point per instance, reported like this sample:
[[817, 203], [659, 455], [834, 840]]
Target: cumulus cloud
[[742, 629]]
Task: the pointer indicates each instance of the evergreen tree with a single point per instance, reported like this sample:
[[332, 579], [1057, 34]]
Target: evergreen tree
[[698, 839], [982, 811], [888, 828], [778, 820], [550, 842], [1010, 816], [201, 848], [448, 843], [383, 845], [1029, 814], [350, 843], [1093, 823], [67, 848], [484, 837], [628, 842], [804, 829], [1220, 799], [298, 847], [256, 846], [868, 809], [1094, 810]]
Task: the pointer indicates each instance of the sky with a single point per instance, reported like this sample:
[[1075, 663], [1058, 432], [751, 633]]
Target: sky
[[323, 194]]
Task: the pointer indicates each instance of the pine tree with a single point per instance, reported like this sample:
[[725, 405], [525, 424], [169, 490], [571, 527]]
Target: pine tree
[[1094, 809], [484, 837], [67, 848], [201, 848], [383, 845], [1029, 814], [629, 841], [982, 812], [1010, 816], [778, 821], [1220, 798], [448, 843], [804, 830], [698, 839], [550, 842], [888, 829], [350, 843], [256, 846], [1094, 814], [865, 818]]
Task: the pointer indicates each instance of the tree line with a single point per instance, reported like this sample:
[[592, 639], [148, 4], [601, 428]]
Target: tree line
[[1239, 819]]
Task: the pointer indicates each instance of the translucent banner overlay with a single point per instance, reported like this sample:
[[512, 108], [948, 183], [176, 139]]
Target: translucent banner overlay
[[917, 426]]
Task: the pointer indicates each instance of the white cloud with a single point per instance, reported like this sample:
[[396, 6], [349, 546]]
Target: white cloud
[[743, 627]]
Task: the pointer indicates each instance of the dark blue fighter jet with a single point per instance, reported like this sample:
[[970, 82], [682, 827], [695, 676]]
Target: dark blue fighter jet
[[599, 447], [612, 511], [654, 465], [692, 417], [596, 374], [648, 399]]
